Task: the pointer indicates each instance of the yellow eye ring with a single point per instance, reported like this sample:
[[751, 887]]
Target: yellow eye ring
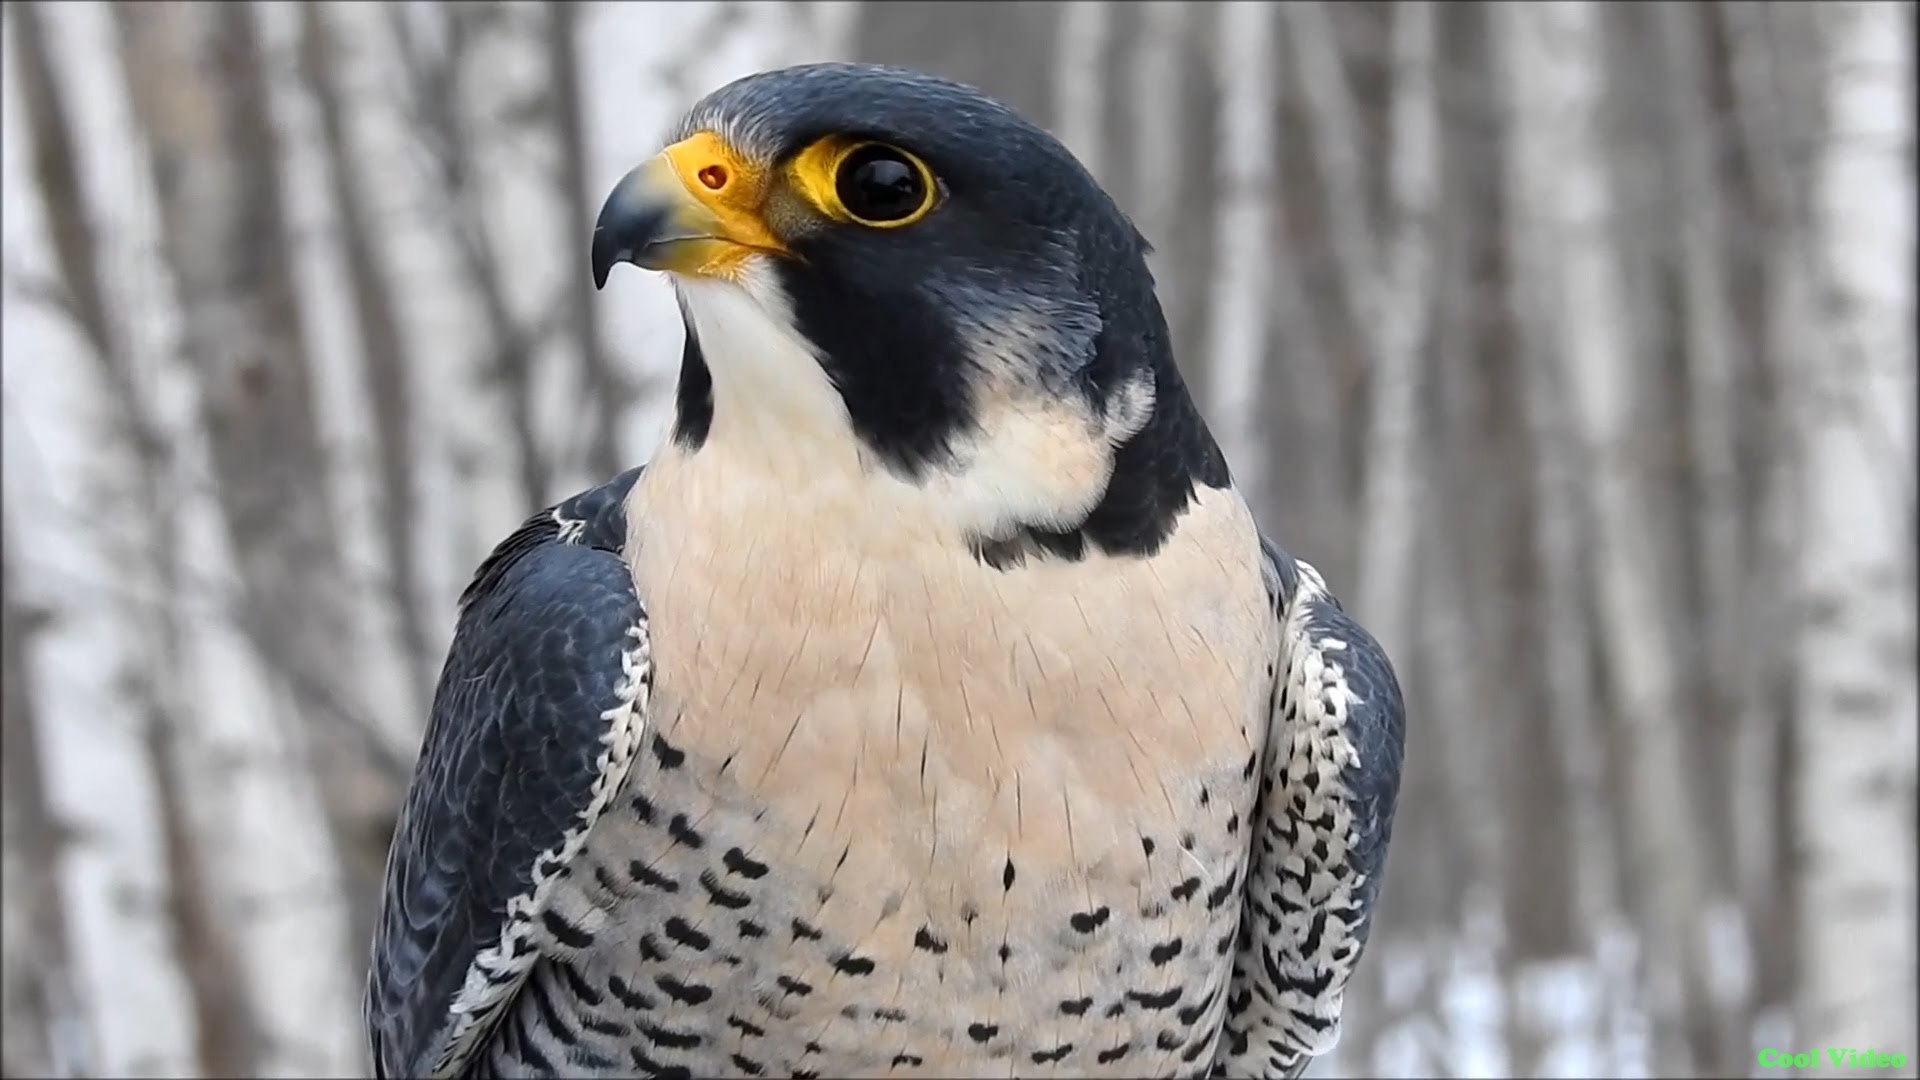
[[865, 182], [881, 186]]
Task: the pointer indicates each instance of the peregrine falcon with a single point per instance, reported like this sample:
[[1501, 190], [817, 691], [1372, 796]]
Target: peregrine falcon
[[929, 703]]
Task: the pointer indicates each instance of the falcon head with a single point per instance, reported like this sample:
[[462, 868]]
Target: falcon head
[[888, 272]]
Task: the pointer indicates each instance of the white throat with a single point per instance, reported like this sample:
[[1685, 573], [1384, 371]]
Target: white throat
[[781, 430], [772, 399]]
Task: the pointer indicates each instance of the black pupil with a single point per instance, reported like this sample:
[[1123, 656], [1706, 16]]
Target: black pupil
[[877, 184]]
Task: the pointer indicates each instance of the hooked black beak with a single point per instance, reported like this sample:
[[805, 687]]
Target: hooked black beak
[[643, 216], [692, 209]]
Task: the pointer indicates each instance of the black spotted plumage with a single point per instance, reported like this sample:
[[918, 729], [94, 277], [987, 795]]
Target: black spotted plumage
[[1376, 728], [1324, 820]]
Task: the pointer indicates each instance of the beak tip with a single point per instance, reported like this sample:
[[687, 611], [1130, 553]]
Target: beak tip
[[637, 214], [607, 251]]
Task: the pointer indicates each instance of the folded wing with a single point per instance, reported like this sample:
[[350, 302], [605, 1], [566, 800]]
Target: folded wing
[[1323, 822], [539, 709]]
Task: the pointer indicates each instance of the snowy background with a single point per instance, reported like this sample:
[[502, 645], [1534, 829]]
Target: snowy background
[[1573, 341]]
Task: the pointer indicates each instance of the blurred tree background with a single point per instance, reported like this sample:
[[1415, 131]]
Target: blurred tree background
[[1573, 341]]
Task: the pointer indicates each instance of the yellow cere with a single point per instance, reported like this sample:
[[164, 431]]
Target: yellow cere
[[733, 189]]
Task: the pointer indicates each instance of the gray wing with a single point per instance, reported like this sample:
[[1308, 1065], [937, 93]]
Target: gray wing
[[1323, 822], [538, 712]]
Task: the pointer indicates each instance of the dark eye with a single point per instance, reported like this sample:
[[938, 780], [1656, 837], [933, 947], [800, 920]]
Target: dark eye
[[881, 186]]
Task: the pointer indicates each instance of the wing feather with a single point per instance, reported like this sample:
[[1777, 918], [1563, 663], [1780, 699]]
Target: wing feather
[[539, 710], [1325, 817]]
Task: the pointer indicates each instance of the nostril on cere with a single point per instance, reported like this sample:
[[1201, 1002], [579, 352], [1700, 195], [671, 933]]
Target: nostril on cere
[[714, 177]]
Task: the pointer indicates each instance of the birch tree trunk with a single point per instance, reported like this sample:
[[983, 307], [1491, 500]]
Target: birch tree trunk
[[606, 393], [1340, 256], [1238, 318], [387, 368], [141, 830], [1304, 382], [1452, 611], [1720, 553], [200, 94], [1581, 849], [1776, 87], [1856, 396], [1079, 87], [49, 1032], [1556, 51], [437, 73], [1168, 155], [946, 38], [1397, 306], [1338, 156]]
